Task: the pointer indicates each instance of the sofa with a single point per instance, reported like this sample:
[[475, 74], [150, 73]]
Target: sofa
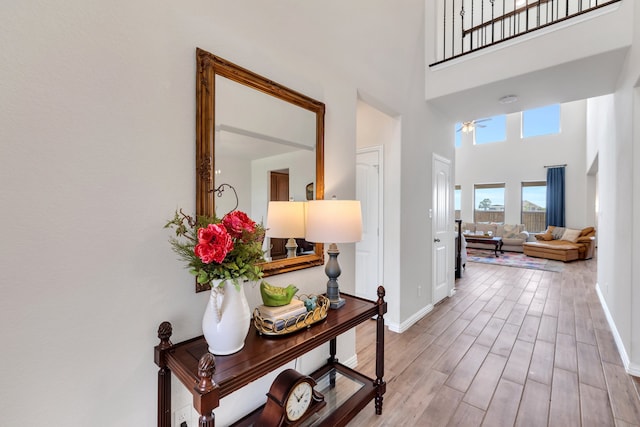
[[513, 235], [563, 244]]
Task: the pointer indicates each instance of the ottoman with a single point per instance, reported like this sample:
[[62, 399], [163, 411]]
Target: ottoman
[[558, 250]]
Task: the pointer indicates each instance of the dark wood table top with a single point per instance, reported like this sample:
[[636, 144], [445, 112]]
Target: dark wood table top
[[262, 354], [482, 238]]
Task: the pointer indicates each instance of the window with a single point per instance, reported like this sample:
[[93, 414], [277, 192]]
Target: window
[[541, 121], [493, 129], [489, 203], [457, 200], [534, 206], [458, 135]]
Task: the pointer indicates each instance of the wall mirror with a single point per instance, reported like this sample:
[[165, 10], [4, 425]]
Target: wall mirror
[[265, 140]]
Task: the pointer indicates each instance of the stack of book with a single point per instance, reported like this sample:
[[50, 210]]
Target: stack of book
[[282, 316]]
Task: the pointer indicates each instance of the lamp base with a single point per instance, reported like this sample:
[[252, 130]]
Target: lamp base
[[332, 269], [292, 248], [337, 303]]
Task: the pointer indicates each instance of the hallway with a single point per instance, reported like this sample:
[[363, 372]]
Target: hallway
[[511, 347]]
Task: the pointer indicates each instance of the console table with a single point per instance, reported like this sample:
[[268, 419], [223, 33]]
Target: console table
[[210, 378]]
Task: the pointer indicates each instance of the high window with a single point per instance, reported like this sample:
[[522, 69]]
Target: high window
[[493, 129], [534, 205], [541, 121], [488, 202], [457, 200]]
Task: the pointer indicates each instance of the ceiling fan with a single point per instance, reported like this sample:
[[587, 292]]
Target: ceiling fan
[[471, 125]]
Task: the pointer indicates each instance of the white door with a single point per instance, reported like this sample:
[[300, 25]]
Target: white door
[[369, 249], [441, 229]]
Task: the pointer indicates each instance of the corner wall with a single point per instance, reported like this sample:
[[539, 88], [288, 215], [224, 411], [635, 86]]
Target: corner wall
[[617, 136]]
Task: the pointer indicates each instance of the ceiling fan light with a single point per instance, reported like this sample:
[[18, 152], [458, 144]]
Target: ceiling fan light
[[467, 127]]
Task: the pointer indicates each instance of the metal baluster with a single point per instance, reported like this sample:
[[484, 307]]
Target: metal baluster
[[493, 22], [482, 29], [504, 3], [462, 32], [453, 27], [444, 29], [471, 40], [514, 18]]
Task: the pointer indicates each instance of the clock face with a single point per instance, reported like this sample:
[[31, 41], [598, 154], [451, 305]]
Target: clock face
[[299, 401]]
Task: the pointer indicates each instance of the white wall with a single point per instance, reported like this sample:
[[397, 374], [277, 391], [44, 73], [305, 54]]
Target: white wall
[[96, 152], [376, 128], [516, 160], [614, 135]]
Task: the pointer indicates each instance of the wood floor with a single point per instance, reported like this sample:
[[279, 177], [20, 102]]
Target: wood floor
[[511, 347]]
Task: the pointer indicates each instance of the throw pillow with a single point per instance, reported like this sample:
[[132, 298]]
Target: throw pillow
[[468, 226], [570, 235], [486, 228], [510, 231], [557, 233], [545, 236], [587, 231]]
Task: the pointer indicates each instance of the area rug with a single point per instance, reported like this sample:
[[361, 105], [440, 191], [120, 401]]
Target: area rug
[[514, 259]]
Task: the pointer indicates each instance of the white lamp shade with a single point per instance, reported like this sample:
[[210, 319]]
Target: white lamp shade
[[285, 219], [334, 221]]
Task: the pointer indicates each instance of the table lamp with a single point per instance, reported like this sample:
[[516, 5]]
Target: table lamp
[[333, 221], [285, 220]]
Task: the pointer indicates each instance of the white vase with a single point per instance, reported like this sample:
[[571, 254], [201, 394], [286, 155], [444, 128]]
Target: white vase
[[226, 319]]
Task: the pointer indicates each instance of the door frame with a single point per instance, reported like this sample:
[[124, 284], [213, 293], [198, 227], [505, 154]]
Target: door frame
[[448, 226], [379, 149]]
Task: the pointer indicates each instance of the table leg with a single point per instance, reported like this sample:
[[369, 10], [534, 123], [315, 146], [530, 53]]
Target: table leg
[[332, 359], [164, 397], [207, 420], [380, 384]]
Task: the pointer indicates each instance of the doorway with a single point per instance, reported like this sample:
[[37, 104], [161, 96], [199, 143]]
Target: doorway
[[369, 259], [279, 193], [442, 229]]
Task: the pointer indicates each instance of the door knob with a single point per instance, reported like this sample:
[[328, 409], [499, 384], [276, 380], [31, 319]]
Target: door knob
[[436, 240]]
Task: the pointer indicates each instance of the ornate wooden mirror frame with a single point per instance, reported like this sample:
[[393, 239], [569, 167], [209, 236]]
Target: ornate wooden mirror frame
[[208, 66]]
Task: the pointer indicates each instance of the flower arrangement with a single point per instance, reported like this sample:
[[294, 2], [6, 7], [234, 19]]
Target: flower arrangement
[[227, 248]]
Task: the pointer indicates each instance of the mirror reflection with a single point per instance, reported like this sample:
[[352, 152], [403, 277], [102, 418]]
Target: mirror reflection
[[266, 149], [265, 140]]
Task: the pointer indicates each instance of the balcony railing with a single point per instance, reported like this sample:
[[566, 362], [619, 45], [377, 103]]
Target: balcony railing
[[471, 25]]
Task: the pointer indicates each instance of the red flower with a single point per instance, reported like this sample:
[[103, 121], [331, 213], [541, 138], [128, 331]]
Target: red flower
[[214, 243], [237, 222]]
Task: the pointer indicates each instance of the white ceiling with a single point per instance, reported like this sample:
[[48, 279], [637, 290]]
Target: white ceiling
[[585, 78]]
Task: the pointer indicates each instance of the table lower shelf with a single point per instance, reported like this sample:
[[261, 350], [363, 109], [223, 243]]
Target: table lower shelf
[[345, 391]]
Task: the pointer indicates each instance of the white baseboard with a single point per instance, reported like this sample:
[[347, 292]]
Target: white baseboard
[[351, 362], [400, 328], [631, 368]]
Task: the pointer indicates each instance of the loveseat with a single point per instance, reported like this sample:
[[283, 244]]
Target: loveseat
[[563, 244], [513, 235]]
